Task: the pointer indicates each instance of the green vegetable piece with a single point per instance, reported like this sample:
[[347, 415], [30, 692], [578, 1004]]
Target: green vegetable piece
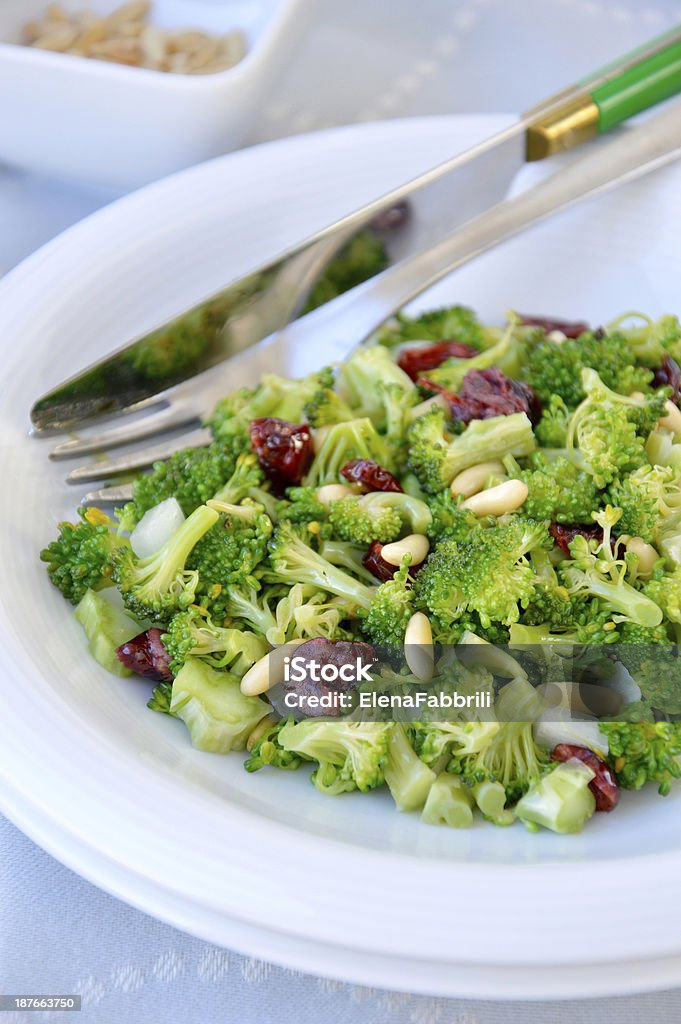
[[560, 801], [106, 626], [448, 803], [491, 799], [210, 703], [408, 778]]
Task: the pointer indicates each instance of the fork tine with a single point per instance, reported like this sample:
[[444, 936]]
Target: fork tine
[[137, 460], [113, 495], [178, 414]]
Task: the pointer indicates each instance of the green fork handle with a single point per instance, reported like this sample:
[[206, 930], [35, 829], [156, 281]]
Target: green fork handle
[[633, 83]]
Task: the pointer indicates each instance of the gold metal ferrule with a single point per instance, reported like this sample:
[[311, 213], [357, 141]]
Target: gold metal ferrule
[[568, 125]]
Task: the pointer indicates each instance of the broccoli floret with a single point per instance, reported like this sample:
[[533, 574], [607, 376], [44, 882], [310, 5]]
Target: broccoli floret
[[652, 339], [160, 699], [361, 522], [301, 506], [449, 521], [550, 605], [554, 368], [80, 559], [488, 574], [594, 570], [457, 323], [326, 408], [361, 258], [641, 752], [437, 742], [229, 554], [379, 515], [269, 751], [192, 476], [408, 778], [280, 397], [359, 376], [350, 755], [560, 801], [664, 588], [191, 633], [294, 561], [507, 354], [247, 606], [436, 458], [247, 474], [551, 431], [608, 431], [158, 586], [306, 612], [355, 439], [558, 490], [393, 605], [648, 495]]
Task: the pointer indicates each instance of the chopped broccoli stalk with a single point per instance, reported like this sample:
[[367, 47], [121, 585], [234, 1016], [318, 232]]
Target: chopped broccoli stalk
[[457, 578], [191, 633], [408, 778], [106, 627], [349, 755], [386, 621], [355, 439], [294, 561], [448, 803], [160, 585], [560, 801], [210, 703], [491, 798], [436, 459], [641, 752], [80, 559]]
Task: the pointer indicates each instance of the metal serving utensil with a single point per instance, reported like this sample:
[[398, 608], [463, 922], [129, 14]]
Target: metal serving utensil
[[354, 316]]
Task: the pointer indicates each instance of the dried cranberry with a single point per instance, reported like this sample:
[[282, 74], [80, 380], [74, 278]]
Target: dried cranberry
[[421, 358], [378, 567], [146, 655], [487, 393], [285, 450], [603, 785], [321, 652], [669, 375], [370, 475], [565, 533], [395, 216], [570, 328]]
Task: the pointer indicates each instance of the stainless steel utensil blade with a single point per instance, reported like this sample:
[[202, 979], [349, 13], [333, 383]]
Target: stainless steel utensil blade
[[267, 299]]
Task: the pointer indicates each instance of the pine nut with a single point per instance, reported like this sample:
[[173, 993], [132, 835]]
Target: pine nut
[[415, 545], [672, 420], [332, 492], [259, 731], [638, 395], [418, 646], [557, 337], [268, 671], [470, 481], [495, 501], [646, 554]]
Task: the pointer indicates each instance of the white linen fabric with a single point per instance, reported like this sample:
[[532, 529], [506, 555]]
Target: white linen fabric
[[358, 62]]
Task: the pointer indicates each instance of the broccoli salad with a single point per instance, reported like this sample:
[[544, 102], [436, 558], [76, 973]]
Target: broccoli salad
[[480, 500]]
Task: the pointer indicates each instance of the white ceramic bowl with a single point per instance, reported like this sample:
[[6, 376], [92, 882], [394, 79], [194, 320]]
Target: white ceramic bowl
[[122, 126]]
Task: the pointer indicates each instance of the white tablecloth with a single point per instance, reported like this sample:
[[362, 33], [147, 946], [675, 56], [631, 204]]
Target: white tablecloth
[[361, 60]]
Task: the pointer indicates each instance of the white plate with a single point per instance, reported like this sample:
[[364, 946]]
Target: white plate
[[345, 887]]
